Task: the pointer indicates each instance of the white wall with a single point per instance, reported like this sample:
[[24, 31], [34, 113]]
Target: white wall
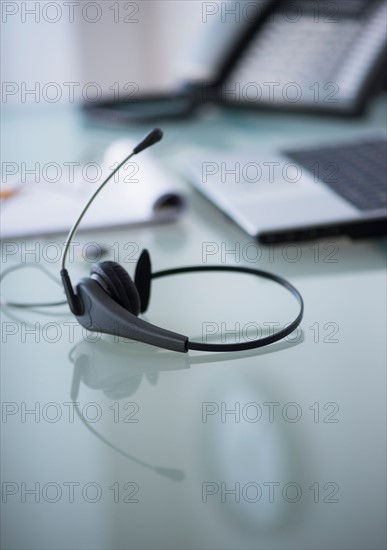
[[148, 42]]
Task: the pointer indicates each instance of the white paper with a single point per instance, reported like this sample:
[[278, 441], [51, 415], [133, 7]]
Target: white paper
[[140, 194]]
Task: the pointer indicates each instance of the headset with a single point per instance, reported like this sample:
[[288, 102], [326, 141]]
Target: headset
[[109, 301]]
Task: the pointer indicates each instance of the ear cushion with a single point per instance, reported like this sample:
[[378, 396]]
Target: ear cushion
[[142, 279], [118, 284]]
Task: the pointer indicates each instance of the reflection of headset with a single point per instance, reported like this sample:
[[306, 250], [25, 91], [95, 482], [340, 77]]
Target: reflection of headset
[[103, 366], [109, 301]]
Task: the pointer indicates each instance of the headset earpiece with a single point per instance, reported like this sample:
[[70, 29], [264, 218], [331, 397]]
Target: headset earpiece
[[142, 279], [117, 283]]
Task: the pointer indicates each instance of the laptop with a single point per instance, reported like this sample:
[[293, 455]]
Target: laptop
[[301, 193]]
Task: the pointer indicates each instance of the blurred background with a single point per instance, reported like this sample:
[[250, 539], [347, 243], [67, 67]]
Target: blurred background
[[148, 60], [148, 42], [82, 51]]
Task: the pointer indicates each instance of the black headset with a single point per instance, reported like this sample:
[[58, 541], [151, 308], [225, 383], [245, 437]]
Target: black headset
[[109, 301]]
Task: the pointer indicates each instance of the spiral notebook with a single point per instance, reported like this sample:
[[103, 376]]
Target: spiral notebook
[[142, 193]]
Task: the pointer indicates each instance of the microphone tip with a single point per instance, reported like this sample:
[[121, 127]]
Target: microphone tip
[[158, 134], [150, 139]]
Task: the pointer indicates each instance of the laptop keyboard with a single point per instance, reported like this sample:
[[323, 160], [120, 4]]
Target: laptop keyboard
[[357, 172]]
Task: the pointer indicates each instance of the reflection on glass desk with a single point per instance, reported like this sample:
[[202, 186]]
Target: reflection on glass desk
[[93, 367], [113, 444]]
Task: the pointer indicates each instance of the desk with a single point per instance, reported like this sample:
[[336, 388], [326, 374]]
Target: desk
[[118, 445]]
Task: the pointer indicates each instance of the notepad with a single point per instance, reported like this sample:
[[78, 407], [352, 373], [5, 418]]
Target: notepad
[[141, 193]]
